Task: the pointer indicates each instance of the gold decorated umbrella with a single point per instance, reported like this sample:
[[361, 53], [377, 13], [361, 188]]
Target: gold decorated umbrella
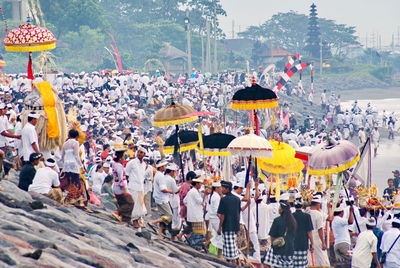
[[173, 114], [283, 162], [29, 38]]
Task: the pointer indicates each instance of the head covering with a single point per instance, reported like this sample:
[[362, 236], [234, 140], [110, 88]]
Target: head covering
[[2, 106], [285, 197], [34, 157], [106, 165], [172, 167], [216, 184], [34, 115], [339, 209], [97, 160], [226, 184], [198, 180], [142, 149], [50, 162], [371, 221], [240, 183], [317, 199], [161, 163]]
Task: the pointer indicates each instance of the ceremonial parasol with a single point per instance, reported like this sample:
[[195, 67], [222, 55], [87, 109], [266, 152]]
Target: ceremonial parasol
[[216, 144], [187, 140], [171, 115], [283, 160], [333, 157], [174, 114], [251, 145], [253, 98], [29, 38]]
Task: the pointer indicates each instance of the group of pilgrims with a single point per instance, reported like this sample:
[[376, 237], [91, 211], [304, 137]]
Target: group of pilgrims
[[121, 162]]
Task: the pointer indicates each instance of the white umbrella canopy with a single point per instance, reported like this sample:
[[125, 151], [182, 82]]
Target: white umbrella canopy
[[251, 145]]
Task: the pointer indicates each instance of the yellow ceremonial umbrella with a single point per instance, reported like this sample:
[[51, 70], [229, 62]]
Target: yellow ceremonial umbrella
[[283, 162]]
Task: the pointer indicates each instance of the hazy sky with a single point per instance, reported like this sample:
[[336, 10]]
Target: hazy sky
[[367, 15]]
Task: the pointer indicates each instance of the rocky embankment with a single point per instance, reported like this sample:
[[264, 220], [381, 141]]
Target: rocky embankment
[[37, 232], [336, 84]]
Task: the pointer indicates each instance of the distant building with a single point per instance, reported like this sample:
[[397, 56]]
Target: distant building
[[173, 59]]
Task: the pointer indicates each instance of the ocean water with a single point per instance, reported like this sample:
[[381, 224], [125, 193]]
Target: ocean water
[[388, 158]]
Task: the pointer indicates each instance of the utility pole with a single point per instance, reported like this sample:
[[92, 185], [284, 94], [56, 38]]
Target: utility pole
[[320, 55], [215, 69], [188, 44], [208, 50], [202, 49]]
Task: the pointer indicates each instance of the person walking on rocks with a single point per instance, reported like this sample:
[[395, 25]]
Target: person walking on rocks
[[123, 196], [135, 172], [229, 215], [29, 138], [161, 194]]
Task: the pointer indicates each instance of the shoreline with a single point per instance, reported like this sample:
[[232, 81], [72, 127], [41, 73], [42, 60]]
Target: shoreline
[[369, 94]]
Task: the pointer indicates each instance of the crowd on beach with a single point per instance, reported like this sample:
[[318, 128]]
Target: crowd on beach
[[121, 162]]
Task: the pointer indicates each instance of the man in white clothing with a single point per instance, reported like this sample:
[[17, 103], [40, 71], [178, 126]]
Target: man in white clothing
[[195, 208], [46, 181], [29, 137], [161, 194], [366, 247], [135, 171], [341, 233], [391, 239]]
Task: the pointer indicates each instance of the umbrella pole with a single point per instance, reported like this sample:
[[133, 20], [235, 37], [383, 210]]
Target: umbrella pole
[[179, 152], [248, 210], [354, 214]]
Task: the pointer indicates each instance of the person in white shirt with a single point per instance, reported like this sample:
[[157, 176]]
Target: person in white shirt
[[391, 239], [29, 137], [98, 179], [375, 137], [366, 247], [148, 185], [135, 171], [214, 199], [5, 135], [195, 207], [340, 230], [46, 181], [161, 195], [318, 220]]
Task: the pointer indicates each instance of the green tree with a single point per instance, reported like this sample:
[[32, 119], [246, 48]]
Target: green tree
[[289, 31], [69, 15]]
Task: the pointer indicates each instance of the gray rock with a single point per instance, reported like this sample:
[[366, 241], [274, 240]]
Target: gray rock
[[6, 259]]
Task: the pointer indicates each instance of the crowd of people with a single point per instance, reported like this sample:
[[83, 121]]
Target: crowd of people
[[121, 162]]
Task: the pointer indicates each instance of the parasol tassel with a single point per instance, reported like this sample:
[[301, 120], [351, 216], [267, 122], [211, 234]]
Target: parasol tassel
[[30, 71]]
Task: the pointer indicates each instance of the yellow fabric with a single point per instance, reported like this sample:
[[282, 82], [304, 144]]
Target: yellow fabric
[[174, 121], [253, 105], [30, 48], [49, 105], [200, 137], [182, 147], [283, 160], [334, 170], [213, 152]]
